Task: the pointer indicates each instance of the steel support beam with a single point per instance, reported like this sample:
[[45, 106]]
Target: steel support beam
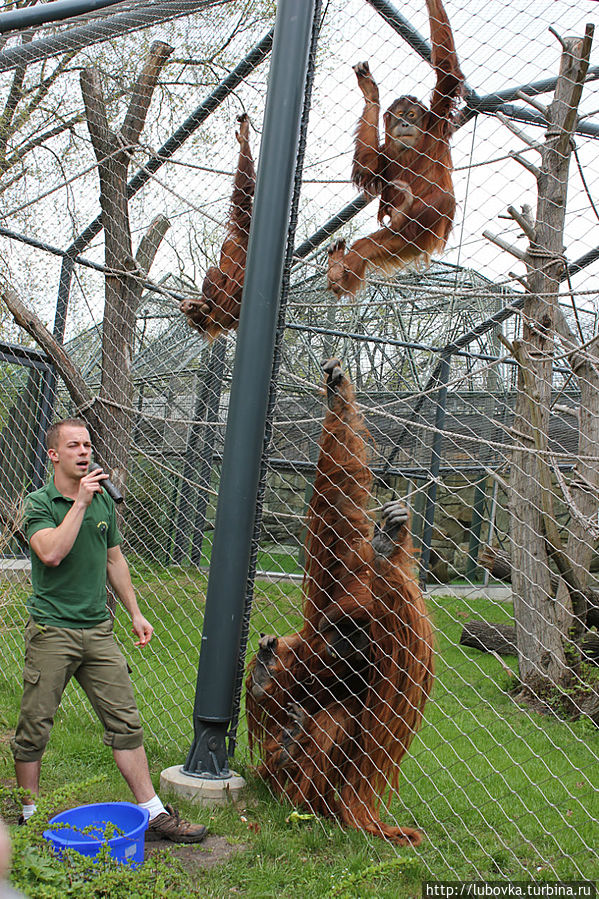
[[478, 507], [431, 496], [250, 387], [111, 26], [57, 11], [216, 371]]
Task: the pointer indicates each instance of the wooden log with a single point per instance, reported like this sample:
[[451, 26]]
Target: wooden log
[[499, 564], [488, 636]]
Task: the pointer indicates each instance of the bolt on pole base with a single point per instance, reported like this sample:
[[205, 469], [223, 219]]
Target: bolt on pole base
[[208, 756]]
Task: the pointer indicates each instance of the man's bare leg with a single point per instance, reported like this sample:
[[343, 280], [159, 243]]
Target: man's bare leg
[[28, 775], [28, 778], [165, 824], [133, 765]]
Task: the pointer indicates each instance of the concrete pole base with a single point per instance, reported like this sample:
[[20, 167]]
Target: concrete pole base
[[203, 790]]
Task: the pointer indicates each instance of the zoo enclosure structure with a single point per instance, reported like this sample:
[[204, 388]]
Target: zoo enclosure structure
[[385, 339]]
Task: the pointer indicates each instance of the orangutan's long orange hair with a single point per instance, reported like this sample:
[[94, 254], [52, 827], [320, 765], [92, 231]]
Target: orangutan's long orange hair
[[329, 737]]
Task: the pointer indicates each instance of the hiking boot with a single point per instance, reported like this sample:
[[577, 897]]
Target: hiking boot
[[169, 826]]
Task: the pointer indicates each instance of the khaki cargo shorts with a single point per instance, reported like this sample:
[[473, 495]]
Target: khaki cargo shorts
[[55, 654]]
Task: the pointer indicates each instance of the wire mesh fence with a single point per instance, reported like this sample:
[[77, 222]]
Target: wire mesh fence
[[476, 383]]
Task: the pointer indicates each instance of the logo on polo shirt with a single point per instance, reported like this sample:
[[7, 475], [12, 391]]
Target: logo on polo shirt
[[102, 526]]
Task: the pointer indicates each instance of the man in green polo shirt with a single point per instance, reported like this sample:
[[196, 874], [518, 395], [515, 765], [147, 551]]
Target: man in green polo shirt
[[75, 545]]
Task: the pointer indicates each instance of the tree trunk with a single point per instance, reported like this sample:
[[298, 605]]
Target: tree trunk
[[580, 494], [500, 566], [122, 292], [539, 624]]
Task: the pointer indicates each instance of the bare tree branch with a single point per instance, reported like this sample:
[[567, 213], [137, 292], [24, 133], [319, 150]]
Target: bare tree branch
[[572, 114], [29, 321], [42, 90], [103, 140], [142, 92], [14, 96], [147, 249]]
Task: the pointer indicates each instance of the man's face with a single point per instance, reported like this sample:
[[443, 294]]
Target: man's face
[[73, 453]]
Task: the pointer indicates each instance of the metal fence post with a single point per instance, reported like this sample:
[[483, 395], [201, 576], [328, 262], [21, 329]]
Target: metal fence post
[[250, 391], [202, 431], [478, 507], [216, 371], [431, 498]]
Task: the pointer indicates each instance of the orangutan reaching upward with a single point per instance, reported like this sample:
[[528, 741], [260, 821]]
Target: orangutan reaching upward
[[411, 170], [333, 708]]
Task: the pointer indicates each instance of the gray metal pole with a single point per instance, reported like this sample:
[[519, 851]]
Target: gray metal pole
[[431, 498], [216, 371], [31, 16], [97, 31], [337, 221], [250, 391], [272, 399], [528, 116], [193, 501], [478, 506], [188, 491], [403, 27]]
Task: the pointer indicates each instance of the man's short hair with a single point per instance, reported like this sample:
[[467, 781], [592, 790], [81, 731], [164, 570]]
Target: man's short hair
[[53, 432]]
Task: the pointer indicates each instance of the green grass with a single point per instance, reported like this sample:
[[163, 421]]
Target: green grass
[[270, 558], [498, 792]]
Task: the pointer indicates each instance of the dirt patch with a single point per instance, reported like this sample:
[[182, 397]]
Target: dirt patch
[[214, 850]]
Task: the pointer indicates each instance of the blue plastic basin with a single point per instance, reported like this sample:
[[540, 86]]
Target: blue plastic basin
[[129, 818]]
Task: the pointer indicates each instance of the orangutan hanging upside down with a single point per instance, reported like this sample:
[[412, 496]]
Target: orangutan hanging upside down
[[217, 311], [333, 709], [411, 170]]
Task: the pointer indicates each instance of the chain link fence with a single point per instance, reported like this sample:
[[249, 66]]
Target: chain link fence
[[481, 407]]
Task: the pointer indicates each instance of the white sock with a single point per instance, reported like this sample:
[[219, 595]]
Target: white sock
[[154, 806], [29, 810]]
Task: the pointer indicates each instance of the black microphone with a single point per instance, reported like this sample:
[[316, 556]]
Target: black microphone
[[108, 486]]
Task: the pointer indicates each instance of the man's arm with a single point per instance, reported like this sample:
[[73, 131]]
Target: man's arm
[[52, 545], [119, 578]]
